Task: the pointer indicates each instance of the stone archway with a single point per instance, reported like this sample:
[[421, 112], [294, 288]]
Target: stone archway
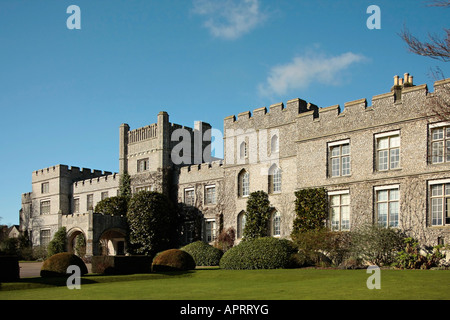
[[72, 236], [112, 242]]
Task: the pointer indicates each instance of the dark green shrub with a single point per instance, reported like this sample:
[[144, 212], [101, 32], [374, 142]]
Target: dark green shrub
[[113, 206], [58, 243], [260, 253], [152, 222], [257, 215], [56, 265], [203, 253], [121, 264], [173, 260], [311, 209]]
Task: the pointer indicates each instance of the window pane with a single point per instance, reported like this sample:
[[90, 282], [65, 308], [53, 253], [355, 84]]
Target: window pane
[[436, 190], [437, 152], [383, 160], [436, 211], [345, 218], [394, 194], [448, 132], [382, 214], [345, 166], [335, 151], [335, 167], [382, 195], [345, 149], [345, 199], [447, 150], [335, 200], [335, 213], [383, 143], [395, 142], [393, 214], [437, 134], [395, 158]]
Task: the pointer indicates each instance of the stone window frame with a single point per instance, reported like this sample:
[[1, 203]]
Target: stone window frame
[[90, 201], [243, 185], [387, 135], [185, 197], [275, 224], [445, 140], [210, 232], [104, 195], [143, 165], [445, 204], [44, 240], [340, 157], [76, 205], [388, 201], [45, 207], [209, 201], [340, 205], [275, 179], [45, 187], [143, 188]]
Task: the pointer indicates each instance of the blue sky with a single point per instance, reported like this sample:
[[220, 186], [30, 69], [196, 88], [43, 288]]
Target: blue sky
[[64, 93]]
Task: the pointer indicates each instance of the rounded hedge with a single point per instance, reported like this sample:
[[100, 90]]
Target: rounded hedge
[[203, 253], [57, 264], [259, 253], [173, 260]]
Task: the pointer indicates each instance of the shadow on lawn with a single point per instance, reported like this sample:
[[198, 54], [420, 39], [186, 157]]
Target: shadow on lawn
[[41, 282]]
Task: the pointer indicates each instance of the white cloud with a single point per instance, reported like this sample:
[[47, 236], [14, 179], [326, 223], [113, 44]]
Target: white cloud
[[229, 19], [304, 70]]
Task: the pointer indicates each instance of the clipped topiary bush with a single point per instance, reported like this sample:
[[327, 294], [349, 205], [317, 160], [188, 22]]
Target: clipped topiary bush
[[203, 253], [56, 265], [260, 253], [173, 260]]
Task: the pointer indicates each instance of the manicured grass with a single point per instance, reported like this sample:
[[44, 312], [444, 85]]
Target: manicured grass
[[216, 284]]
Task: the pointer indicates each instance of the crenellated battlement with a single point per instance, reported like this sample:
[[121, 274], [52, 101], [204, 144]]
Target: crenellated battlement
[[174, 126], [74, 173], [144, 133], [203, 166], [287, 112], [106, 179]]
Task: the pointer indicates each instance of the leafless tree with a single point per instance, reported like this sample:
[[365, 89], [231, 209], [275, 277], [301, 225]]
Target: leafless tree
[[438, 49]]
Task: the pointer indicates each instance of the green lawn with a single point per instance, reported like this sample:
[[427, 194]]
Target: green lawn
[[216, 284]]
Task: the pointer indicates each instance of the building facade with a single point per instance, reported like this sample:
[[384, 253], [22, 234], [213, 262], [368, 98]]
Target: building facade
[[386, 163]]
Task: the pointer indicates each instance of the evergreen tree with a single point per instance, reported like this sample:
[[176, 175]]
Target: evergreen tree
[[257, 215], [125, 185], [58, 243]]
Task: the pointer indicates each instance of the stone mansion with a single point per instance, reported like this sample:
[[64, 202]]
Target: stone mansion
[[386, 163]]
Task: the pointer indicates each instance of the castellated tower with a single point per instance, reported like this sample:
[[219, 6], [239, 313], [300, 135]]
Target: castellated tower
[[146, 153]]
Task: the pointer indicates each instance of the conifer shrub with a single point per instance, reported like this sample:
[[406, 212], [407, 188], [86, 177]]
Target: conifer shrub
[[203, 253], [259, 253], [57, 264], [117, 206], [173, 260], [59, 242]]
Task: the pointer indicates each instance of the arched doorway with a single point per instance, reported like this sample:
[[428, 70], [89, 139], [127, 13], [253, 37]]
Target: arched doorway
[[112, 242], [76, 242]]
